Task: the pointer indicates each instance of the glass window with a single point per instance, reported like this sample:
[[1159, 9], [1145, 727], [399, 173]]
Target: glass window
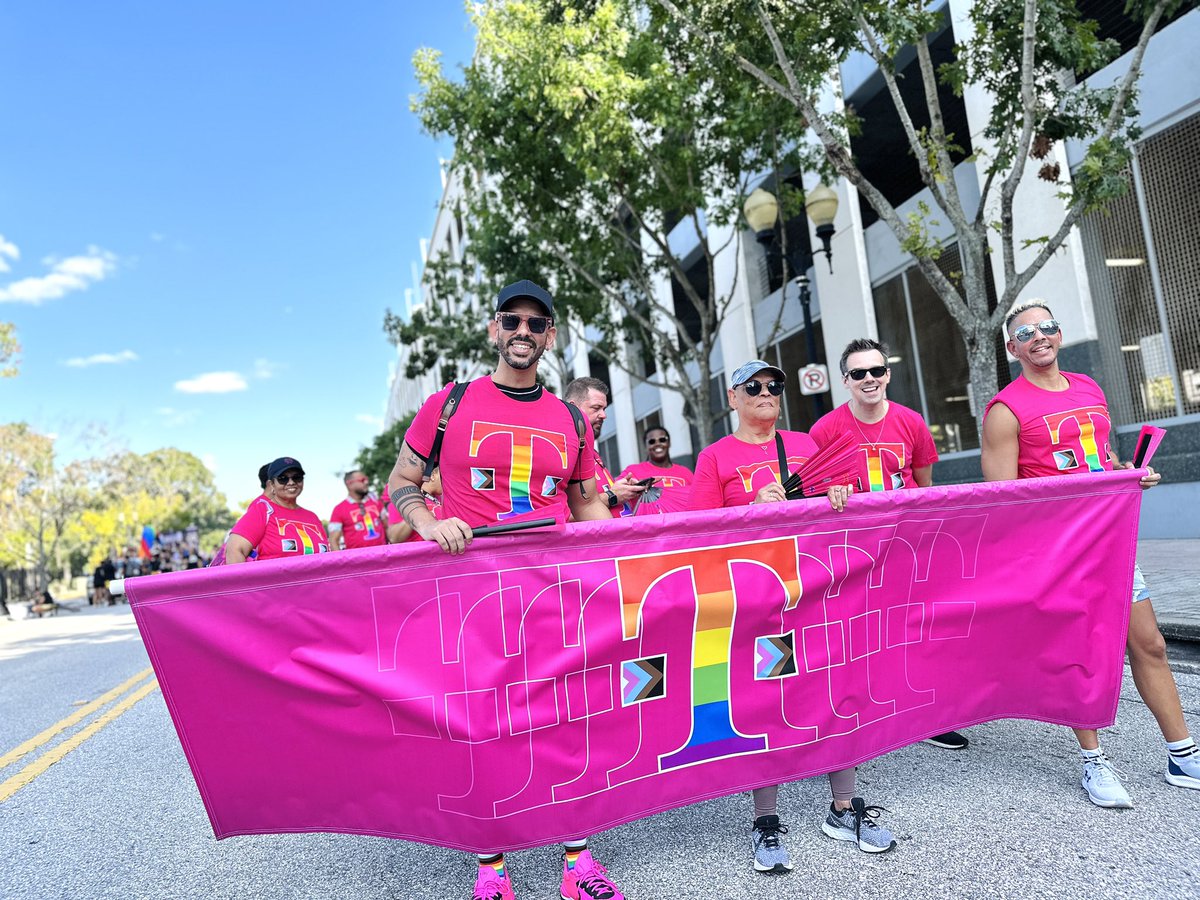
[[891, 318]]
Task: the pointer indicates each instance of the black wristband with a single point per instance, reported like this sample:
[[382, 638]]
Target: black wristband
[[613, 500]]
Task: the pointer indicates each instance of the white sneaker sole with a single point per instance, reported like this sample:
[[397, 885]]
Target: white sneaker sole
[[1183, 781], [1117, 803], [840, 834], [777, 869]]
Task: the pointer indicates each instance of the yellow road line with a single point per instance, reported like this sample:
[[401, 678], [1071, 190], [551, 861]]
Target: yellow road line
[[34, 742], [50, 757]]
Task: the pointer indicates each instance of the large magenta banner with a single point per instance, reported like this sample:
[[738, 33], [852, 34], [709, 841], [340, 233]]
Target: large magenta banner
[[545, 686]]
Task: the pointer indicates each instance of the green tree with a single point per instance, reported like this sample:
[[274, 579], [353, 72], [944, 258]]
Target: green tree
[[377, 458], [40, 501], [586, 132], [9, 348], [1025, 53]]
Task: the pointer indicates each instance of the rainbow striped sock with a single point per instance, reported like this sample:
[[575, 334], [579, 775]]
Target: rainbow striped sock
[[496, 862], [572, 855]]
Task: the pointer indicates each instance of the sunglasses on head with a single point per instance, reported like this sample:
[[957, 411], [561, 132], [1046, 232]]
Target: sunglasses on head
[[659, 440], [874, 371], [512, 321], [754, 388], [290, 479], [1024, 334]]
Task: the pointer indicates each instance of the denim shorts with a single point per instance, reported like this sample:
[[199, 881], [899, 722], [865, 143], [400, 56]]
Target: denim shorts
[[1140, 591]]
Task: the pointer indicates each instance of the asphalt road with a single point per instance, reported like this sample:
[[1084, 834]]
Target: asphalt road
[[119, 816]]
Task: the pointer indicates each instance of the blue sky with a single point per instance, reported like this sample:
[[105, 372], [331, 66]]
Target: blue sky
[[205, 209]]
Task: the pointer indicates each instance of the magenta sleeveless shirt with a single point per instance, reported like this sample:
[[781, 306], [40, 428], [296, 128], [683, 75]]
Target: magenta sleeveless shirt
[[1062, 432]]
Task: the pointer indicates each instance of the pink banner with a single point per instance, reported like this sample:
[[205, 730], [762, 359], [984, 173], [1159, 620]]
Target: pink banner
[[546, 686]]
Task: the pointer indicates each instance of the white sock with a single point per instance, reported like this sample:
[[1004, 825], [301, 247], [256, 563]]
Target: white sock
[[1182, 748], [1091, 754]]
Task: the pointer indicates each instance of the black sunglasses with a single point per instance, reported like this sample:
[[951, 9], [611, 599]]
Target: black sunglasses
[[290, 479], [512, 321], [875, 371], [1048, 327], [662, 440], [754, 388]]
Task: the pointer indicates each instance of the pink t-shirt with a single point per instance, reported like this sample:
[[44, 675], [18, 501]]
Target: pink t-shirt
[[362, 523], [277, 532], [605, 480], [504, 459], [675, 476], [731, 471], [1062, 432], [890, 448]]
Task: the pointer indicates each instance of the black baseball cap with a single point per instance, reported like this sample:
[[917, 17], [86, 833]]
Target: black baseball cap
[[526, 288], [281, 465]]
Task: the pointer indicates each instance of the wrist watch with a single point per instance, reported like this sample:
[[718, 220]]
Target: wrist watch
[[613, 501]]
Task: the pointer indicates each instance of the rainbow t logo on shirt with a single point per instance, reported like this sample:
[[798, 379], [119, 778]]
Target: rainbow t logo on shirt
[[521, 440], [1084, 418]]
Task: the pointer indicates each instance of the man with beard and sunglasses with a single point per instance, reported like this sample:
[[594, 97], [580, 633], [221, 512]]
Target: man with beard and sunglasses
[[358, 520], [510, 451], [1020, 441], [738, 470], [896, 448]]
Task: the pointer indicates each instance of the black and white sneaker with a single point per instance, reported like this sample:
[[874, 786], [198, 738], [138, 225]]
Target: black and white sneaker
[[951, 740]]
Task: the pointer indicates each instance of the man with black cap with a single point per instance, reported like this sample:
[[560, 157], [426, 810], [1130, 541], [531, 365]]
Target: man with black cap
[[508, 451]]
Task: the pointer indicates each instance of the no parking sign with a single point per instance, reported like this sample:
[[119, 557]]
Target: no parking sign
[[814, 380]]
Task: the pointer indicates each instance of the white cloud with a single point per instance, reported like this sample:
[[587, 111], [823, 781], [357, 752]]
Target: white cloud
[[100, 359], [212, 383], [9, 249], [368, 419], [157, 237], [210, 462], [264, 368], [75, 273], [174, 417]]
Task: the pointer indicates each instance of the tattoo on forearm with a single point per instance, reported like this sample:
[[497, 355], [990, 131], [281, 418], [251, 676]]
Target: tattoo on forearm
[[403, 493], [413, 460]]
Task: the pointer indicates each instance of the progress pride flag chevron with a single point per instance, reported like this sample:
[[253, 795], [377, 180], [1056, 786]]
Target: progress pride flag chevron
[[545, 686]]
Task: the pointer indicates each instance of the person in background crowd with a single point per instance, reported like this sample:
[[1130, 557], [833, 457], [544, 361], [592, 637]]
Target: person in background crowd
[[896, 448], [357, 520], [1019, 442], [671, 479], [738, 470], [527, 464], [591, 396], [278, 528]]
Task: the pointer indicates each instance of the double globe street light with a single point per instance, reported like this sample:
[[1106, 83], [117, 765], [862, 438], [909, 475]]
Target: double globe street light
[[761, 210]]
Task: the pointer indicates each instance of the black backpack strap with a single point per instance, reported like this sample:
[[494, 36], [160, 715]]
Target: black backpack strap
[[581, 426], [448, 409]]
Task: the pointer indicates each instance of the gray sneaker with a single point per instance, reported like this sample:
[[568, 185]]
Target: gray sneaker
[[858, 824], [1103, 783], [770, 856]]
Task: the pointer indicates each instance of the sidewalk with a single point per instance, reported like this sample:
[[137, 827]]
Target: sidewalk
[[1172, 570]]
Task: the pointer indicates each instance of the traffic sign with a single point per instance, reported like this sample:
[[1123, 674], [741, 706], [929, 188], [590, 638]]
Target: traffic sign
[[814, 380]]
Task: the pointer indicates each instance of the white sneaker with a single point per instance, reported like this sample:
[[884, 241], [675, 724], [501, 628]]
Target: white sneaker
[[1103, 784], [1184, 771]]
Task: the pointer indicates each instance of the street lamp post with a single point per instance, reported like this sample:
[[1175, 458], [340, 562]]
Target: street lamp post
[[762, 212]]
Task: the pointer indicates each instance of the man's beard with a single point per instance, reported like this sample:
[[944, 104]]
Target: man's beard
[[520, 364]]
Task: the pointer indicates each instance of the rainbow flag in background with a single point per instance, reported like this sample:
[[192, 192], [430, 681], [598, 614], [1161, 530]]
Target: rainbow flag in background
[[147, 542]]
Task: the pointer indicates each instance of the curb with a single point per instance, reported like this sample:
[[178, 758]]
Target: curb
[[1179, 631]]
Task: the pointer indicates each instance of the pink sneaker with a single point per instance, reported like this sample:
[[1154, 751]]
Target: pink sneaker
[[588, 881], [490, 886]]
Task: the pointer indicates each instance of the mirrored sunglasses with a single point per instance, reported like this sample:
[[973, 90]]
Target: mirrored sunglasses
[[1024, 334], [512, 321], [873, 371], [754, 388]]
